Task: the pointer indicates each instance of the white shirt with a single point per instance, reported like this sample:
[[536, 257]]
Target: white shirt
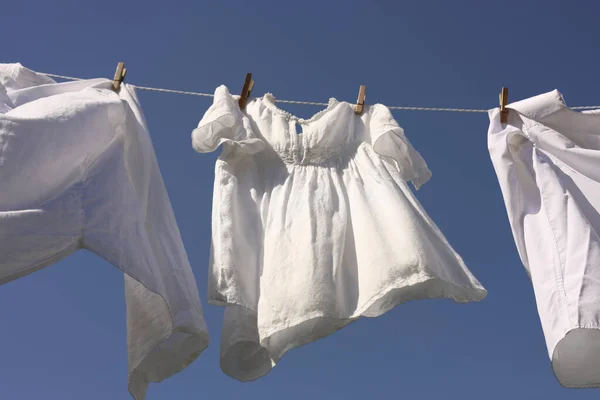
[[78, 170], [547, 159], [313, 230]]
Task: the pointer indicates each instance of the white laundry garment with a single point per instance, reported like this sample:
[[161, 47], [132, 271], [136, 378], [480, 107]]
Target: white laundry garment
[[313, 230], [547, 159], [78, 170]]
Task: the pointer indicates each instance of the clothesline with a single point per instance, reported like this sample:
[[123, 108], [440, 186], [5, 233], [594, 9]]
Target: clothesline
[[311, 103]]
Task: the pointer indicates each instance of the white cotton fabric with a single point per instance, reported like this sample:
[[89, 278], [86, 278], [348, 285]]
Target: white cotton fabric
[[547, 159], [311, 231], [78, 171]]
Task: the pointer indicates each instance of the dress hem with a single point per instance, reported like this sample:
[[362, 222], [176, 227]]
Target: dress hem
[[437, 288]]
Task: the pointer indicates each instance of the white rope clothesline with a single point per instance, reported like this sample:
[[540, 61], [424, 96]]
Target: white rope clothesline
[[311, 103]]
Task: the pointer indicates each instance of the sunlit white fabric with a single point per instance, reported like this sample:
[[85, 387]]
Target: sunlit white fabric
[[547, 159], [313, 230], [78, 170]]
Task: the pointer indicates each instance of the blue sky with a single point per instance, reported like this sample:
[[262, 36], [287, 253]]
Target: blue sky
[[63, 328]]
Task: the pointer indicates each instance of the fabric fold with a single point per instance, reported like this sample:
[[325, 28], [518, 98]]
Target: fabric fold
[[224, 123], [16, 77]]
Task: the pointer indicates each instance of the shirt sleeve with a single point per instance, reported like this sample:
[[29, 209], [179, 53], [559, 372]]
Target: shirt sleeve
[[224, 123], [389, 141]]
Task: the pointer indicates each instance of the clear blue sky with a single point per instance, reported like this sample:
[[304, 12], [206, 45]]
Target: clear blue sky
[[63, 328]]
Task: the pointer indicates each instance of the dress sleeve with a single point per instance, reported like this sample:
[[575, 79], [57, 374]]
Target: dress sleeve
[[224, 123], [388, 140]]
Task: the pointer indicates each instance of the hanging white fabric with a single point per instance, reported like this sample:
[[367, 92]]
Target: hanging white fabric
[[314, 226], [78, 170], [547, 159]]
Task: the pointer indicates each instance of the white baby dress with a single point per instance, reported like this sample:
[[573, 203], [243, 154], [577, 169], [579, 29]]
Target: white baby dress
[[547, 159], [313, 230], [78, 170]]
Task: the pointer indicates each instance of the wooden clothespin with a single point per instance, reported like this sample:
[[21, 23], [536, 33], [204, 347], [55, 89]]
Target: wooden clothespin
[[246, 91], [503, 104], [360, 103], [119, 76]]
